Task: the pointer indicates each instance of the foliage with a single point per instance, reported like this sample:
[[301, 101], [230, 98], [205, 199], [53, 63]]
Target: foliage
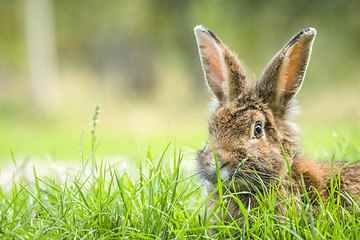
[[160, 200]]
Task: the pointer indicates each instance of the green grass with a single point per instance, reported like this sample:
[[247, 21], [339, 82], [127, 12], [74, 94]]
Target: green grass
[[160, 198]]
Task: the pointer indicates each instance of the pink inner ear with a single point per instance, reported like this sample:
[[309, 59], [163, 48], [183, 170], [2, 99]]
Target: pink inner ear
[[214, 67], [293, 65]]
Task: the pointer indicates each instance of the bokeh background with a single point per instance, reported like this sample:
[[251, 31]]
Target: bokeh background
[[138, 59]]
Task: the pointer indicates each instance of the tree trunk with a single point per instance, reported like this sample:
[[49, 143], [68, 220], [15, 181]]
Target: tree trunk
[[43, 72]]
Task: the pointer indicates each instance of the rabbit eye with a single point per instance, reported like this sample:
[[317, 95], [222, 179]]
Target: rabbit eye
[[258, 130]]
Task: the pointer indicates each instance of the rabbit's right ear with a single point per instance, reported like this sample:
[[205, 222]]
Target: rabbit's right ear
[[224, 74], [284, 75]]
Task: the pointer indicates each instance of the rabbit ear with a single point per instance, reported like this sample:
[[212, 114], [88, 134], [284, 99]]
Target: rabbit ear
[[223, 72], [284, 75]]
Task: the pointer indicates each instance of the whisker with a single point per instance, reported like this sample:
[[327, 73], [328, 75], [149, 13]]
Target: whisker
[[248, 184], [252, 179], [248, 179], [262, 174]]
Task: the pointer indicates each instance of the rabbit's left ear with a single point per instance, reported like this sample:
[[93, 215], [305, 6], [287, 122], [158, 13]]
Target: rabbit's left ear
[[284, 75], [224, 73]]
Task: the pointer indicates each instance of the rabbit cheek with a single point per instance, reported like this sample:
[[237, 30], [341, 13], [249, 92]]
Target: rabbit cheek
[[276, 163], [265, 158]]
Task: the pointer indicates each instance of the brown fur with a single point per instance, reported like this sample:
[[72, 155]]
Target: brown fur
[[267, 103]]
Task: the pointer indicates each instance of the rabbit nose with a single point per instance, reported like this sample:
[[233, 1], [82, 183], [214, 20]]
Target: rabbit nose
[[221, 163], [223, 169]]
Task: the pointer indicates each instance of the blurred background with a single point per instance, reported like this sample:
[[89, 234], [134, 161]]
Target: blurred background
[[138, 59]]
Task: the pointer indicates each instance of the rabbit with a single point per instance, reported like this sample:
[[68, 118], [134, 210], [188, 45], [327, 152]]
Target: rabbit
[[250, 128]]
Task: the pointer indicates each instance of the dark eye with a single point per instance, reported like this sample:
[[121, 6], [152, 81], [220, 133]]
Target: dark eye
[[258, 130]]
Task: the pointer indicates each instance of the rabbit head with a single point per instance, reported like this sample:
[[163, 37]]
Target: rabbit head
[[250, 124]]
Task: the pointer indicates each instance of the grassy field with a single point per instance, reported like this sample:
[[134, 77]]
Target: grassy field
[[135, 177], [329, 117], [60, 180], [159, 197]]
